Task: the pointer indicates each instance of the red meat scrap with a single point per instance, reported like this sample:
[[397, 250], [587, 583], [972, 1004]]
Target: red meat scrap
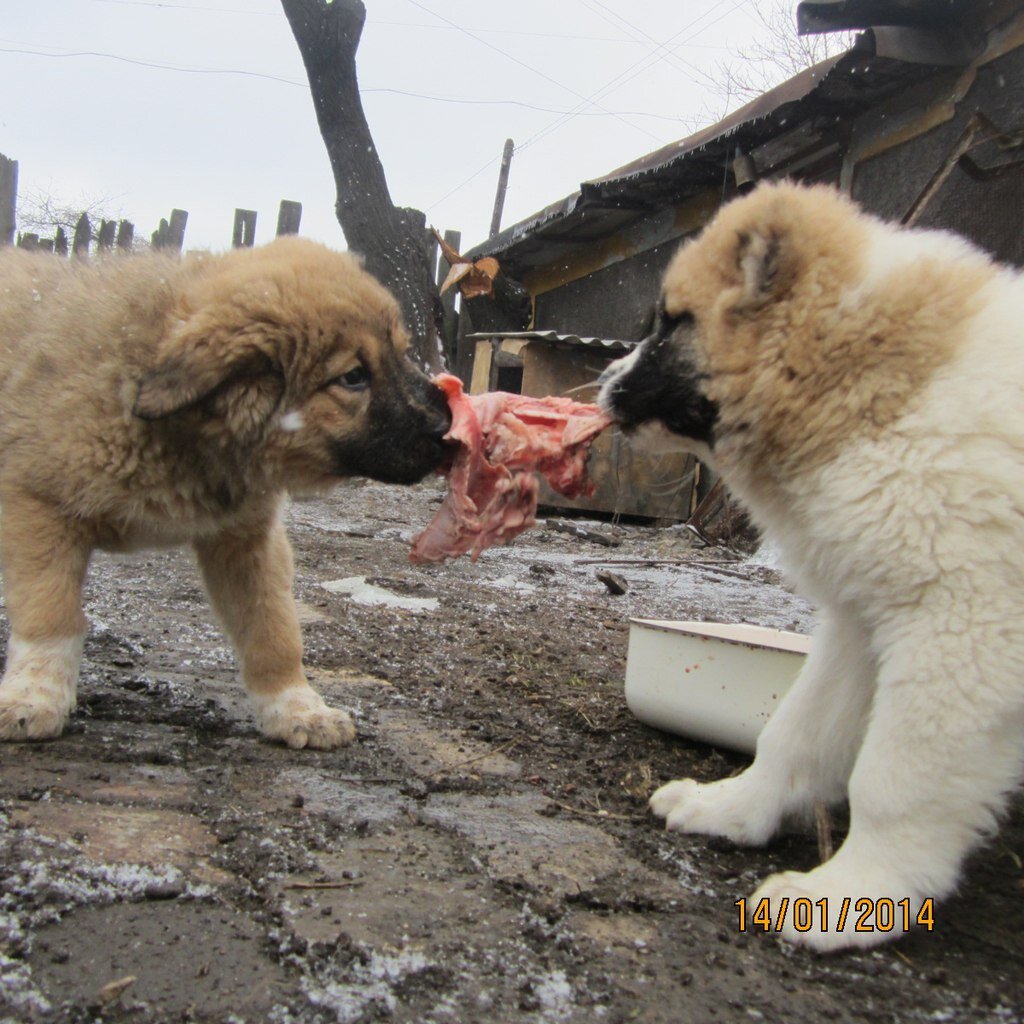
[[503, 441]]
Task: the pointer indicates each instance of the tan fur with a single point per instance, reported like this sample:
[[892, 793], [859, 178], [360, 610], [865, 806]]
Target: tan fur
[[795, 380], [149, 400]]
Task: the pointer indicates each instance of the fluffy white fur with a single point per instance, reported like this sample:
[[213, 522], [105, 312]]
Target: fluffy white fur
[[910, 541]]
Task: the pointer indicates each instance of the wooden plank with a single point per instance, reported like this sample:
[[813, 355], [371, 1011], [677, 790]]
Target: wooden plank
[[450, 324], [60, 242], [125, 235], [8, 199], [243, 235], [83, 237], [288, 218], [105, 236], [176, 230]]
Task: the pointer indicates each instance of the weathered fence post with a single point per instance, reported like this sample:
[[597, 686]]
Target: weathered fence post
[[176, 229], [171, 234], [83, 236], [288, 217], [60, 242], [105, 236], [450, 325], [244, 233], [125, 235], [8, 198]]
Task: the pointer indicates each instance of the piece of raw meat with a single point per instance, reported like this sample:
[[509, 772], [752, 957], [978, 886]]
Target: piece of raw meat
[[492, 487]]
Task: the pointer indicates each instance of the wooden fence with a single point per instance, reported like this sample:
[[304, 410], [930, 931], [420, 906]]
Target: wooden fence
[[170, 234], [120, 234]]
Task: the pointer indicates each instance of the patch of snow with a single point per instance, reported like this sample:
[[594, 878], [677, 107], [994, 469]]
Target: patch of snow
[[555, 994], [688, 875], [370, 988], [362, 592]]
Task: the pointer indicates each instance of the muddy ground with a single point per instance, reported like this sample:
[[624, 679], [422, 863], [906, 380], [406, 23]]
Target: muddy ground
[[482, 853]]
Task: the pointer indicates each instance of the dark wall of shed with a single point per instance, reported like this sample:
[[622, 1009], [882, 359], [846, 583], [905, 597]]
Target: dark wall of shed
[[616, 302], [985, 208]]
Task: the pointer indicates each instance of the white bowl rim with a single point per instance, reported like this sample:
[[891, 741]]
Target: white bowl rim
[[733, 633]]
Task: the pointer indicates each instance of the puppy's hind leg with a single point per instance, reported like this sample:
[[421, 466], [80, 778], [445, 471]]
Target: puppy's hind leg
[[804, 754], [44, 561], [248, 575]]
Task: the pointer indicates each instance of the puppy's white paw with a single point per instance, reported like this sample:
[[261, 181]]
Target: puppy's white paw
[[299, 717], [38, 688], [828, 909], [673, 794], [31, 716], [715, 809]]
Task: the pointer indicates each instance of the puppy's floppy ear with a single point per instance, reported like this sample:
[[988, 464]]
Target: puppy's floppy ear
[[196, 365], [766, 265]]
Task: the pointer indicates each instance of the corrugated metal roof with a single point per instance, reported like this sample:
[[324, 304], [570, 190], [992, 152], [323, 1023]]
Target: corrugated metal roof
[[820, 97], [610, 345], [827, 92]]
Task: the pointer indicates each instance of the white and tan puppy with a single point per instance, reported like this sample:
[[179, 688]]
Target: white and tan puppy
[[147, 401], [861, 389]]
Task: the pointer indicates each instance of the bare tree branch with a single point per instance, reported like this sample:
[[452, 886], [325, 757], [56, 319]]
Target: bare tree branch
[[775, 55]]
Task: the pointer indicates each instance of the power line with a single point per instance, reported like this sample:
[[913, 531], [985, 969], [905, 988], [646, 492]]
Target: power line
[[364, 90], [188, 7], [640, 66], [161, 67], [523, 64]]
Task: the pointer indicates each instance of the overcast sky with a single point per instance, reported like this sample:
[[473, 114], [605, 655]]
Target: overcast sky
[[204, 104]]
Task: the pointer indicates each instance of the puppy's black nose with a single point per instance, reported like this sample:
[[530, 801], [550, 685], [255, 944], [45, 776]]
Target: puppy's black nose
[[437, 415]]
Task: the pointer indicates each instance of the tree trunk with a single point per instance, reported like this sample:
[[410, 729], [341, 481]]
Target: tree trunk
[[390, 240]]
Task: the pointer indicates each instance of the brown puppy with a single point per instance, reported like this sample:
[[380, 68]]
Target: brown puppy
[[150, 401]]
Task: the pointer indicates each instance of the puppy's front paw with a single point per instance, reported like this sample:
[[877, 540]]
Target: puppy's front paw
[[828, 909], [299, 717], [723, 808], [38, 688], [31, 716]]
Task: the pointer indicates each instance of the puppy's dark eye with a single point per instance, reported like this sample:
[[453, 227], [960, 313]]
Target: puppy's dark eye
[[356, 379]]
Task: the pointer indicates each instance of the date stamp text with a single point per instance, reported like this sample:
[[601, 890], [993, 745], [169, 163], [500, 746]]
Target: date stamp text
[[857, 915]]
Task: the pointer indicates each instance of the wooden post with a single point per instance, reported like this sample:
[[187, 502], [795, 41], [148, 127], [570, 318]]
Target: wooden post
[[60, 242], [8, 198], [244, 233], [159, 237], [288, 217], [433, 250], [83, 236], [125, 235], [499, 198], [450, 324], [106, 234], [29, 242], [176, 230]]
